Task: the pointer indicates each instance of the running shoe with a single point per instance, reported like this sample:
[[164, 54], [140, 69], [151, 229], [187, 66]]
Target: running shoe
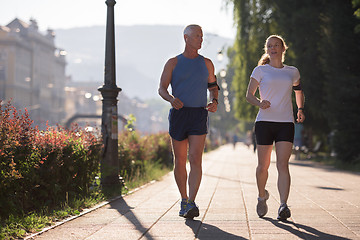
[[284, 212], [183, 205], [191, 210], [262, 207]]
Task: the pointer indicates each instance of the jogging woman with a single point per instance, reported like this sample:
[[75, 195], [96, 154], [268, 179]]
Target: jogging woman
[[275, 119]]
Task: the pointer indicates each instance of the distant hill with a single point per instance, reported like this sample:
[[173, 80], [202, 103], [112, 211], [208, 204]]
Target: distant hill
[[141, 52]]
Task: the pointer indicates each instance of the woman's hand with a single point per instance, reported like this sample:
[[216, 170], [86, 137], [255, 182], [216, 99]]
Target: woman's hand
[[264, 104], [300, 116]]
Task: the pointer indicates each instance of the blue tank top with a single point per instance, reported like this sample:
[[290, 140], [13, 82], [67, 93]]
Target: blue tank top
[[190, 81]]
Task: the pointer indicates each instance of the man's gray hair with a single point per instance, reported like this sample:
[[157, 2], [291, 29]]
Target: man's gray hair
[[188, 29]]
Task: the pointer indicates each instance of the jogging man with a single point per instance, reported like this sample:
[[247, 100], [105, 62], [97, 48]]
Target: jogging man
[[190, 76]]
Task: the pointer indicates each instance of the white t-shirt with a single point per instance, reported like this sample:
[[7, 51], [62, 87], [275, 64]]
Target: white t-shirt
[[275, 85]]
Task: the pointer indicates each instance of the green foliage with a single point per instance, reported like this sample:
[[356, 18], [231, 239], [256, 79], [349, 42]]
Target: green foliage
[[136, 151], [254, 22], [342, 77], [16, 227], [46, 176], [130, 125], [306, 54], [356, 7], [324, 45], [42, 168]]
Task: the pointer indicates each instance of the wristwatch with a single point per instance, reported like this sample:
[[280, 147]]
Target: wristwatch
[[215, 100]]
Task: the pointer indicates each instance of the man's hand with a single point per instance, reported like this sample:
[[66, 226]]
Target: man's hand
[[176, 103], [212, 107]]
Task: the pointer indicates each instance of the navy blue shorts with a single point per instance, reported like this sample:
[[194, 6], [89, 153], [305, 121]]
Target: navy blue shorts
[[187, 121], [268, 132]]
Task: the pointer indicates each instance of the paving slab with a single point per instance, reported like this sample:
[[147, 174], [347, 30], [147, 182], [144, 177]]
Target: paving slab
[[325, 204]]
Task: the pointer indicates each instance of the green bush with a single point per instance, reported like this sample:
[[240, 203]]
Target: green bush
[[136, 151], [49, 173], [42, 168]]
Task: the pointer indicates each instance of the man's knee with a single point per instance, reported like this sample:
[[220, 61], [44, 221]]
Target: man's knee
[[195, 157], [282, 166], [180, 161]]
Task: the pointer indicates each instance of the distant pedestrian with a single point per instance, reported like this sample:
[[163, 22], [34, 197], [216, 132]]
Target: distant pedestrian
[[235, 139], [190, 75], [275, 121]]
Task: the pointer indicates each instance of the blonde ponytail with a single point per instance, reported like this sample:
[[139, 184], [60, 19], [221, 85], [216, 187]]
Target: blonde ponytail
[[265, 59]]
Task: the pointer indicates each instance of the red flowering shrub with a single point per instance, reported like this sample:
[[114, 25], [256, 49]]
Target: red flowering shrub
[[42, 168], [46, 168], [68, 161]]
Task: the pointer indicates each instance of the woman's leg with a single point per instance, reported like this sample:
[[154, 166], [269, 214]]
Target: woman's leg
[[283, 153], [264, 154]]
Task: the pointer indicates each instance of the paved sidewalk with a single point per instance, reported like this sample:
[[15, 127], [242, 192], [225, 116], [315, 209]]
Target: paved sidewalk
[[325, 204]]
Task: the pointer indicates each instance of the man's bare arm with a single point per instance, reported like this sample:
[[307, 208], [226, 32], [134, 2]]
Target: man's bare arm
[[214, 90], [165, 82]]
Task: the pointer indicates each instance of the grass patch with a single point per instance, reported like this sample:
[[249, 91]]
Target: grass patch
[[336, 163], [325, 159], [16, 227], [153, 171]]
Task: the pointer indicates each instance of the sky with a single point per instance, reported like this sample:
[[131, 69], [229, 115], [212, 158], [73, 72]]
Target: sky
[[213, 15]]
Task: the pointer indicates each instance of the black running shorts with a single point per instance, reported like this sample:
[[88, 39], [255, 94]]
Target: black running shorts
[[187, 121], [268, 132]]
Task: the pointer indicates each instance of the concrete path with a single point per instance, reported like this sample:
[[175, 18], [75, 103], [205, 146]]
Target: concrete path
[[325, 204]]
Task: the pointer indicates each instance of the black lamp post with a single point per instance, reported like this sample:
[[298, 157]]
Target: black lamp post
[[109, 91]]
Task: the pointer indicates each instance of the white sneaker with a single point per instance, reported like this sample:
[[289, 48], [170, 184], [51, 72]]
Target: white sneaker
[[262, 207]]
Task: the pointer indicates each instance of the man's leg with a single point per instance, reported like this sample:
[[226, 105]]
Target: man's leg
[[180, 157], [196, 148]]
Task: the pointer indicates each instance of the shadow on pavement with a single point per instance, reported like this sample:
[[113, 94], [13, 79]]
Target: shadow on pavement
[[124, 209], [331, 188], [207, 231], [307, 231]]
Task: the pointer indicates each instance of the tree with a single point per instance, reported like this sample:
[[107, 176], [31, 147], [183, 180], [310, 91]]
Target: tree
[[356, 6], [340, 50], [303, 37], [254, 25], [323, 39]]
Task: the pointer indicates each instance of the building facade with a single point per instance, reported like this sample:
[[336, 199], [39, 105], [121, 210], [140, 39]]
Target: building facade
[[32, 72]]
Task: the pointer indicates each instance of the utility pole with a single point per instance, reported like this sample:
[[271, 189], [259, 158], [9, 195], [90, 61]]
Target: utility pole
[[109, 91]]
